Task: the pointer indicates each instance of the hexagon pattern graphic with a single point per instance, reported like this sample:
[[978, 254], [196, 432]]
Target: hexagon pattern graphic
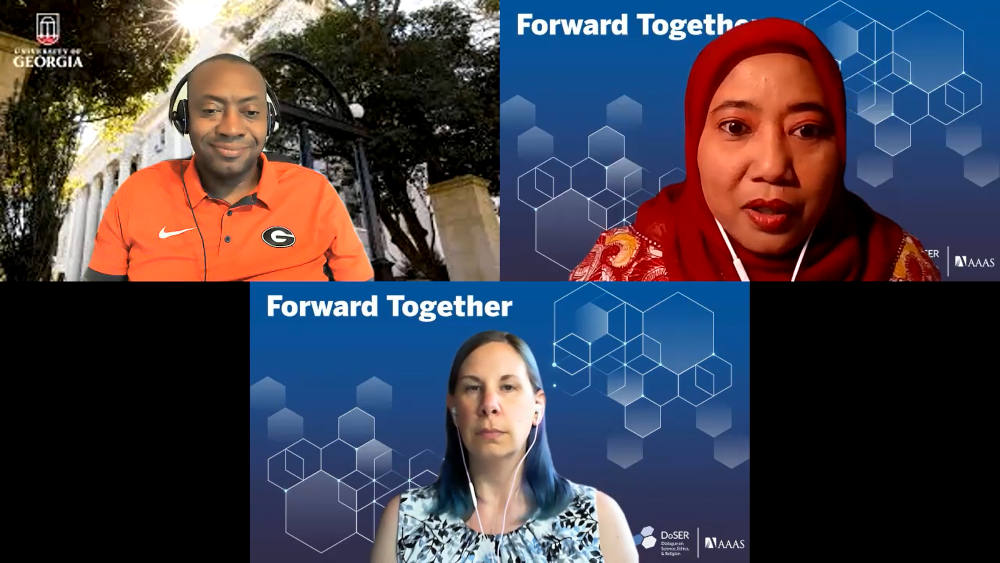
[[517, 114], [284, 426], [981, 167], [336, 491], [313, 514], [642, 417], [714, 418], [624, 449], [684, 328], [589, 177], [874, 168], [732, 449], [356, 427], [565, 242], [267, 395], [894, 78], [374, 394], [963, 139], [606, 146], [892, 136], [624, 113], [534, 145], [641, 358], [935, 48], [910, 104], [573, 202]]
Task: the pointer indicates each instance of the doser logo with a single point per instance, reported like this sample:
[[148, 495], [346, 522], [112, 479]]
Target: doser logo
[[645, 538], [278, 237]]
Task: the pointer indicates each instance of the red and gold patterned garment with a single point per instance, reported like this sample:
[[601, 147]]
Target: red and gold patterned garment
[[624, 254]]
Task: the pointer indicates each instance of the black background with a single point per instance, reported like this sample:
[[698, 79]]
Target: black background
[[872, 419]]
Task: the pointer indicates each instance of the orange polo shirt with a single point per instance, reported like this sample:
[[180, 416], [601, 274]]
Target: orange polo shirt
[[290, 227]]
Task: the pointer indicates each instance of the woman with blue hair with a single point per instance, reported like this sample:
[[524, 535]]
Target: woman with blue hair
[[498, 497]]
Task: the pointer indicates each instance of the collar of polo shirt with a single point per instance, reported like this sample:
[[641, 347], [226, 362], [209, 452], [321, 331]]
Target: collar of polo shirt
[[265, 187]]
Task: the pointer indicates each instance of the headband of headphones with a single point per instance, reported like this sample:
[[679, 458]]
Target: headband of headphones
[[181, 119]]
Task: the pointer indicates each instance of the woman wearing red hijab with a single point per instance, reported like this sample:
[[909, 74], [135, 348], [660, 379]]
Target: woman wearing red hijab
[[764, 197]]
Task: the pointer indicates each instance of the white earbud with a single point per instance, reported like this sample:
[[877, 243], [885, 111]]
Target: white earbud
[[738, 264]]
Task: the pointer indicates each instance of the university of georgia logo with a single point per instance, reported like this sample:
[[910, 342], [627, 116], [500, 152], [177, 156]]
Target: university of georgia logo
[[278, 237], [46, 29]]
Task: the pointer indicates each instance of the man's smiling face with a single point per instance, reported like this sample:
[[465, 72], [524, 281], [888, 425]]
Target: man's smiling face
[[227, 105]]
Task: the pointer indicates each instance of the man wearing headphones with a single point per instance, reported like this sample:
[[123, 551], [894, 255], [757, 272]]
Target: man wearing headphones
[[228, 213]]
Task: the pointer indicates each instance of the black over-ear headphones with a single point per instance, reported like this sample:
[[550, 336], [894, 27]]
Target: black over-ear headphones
[[181, 119]]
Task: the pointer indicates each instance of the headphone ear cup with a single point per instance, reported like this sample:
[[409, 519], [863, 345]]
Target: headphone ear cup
[[272, 119], [179, 117]]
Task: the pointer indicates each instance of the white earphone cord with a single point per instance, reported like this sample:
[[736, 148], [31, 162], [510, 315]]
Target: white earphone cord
[[738, 264], [513, 479], [472, 489]]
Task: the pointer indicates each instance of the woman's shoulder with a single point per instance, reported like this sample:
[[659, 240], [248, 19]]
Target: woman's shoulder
[[599, 523], [418, 498], [605, 504], [912, 262], [418, 504], [581, 495], [622, 254], [617, 542], [589, 502], [593, 501]]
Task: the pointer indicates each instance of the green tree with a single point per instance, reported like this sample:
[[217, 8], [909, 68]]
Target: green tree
[[489, 6], [33, 169], [430, 91], [128, 49]]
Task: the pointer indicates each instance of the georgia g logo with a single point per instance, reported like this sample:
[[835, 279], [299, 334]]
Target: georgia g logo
[[278, 237]]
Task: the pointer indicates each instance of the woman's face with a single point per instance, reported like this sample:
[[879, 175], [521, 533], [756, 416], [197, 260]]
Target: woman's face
[[768, 155], [495, 402]]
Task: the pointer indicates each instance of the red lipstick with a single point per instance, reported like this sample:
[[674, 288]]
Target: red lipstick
[[770, 216]]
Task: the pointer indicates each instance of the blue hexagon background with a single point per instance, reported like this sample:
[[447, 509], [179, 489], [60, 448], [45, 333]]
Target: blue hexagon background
[[616, 438], [910, 72], [643, 355]]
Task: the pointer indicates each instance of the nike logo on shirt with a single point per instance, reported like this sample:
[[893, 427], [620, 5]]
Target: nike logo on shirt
[[164, 233]]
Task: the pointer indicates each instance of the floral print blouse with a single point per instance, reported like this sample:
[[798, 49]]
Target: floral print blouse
[[423, 537]]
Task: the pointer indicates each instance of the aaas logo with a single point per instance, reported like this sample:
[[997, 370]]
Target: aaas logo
[[711, 542], [966, 262], [47, 29]]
